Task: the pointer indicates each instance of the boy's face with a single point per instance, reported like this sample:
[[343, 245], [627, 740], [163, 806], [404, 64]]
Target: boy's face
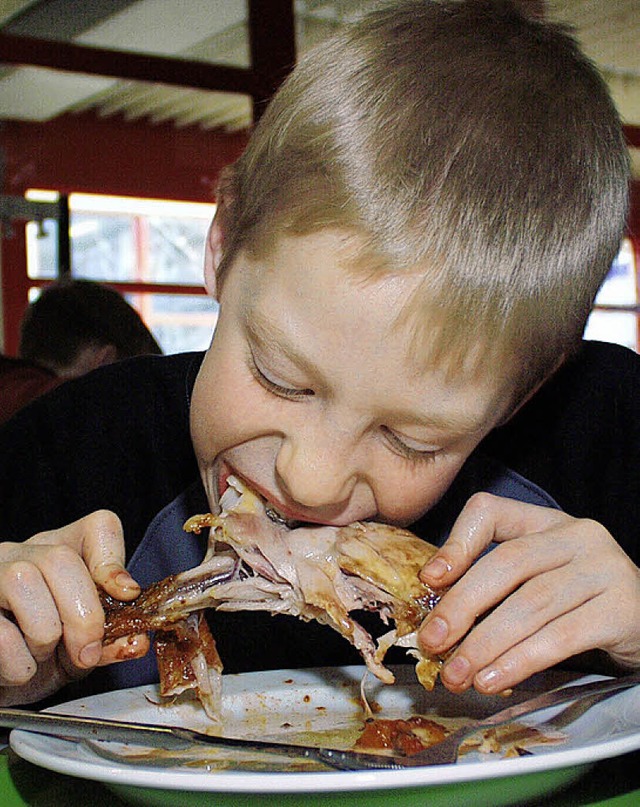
[[308, 392]]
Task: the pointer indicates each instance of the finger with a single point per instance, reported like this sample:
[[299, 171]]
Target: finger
[[24, 592], [104, 554], [17, 665], [50, 676], [99, 540], [492, 578], [76, 600], [125, 649], [568, 635], [538, 603], [484, 519]]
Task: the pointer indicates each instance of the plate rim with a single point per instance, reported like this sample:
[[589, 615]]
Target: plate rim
[[38, 749]]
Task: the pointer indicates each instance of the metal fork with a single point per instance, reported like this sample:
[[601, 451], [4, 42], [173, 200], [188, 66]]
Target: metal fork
[[177, 737], [446, 751]]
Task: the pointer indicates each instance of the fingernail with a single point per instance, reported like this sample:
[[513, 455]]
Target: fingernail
[[436, 568], [90, 654], [124, 580], [457, 670], [489, 678], [434, 633]]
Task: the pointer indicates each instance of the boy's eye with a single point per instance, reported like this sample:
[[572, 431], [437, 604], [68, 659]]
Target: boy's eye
[[275, 385], [409, 448]]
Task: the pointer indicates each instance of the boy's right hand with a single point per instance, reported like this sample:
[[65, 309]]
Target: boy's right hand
[[51, 620]]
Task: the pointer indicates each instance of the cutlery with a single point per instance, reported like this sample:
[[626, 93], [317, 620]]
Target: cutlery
[[178, 738], [446, 751]]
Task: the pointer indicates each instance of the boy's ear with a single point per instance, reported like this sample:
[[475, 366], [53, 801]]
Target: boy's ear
[[214, 248], [213, 256]]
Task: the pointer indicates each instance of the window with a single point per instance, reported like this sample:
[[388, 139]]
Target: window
[[616, 314], [152, 251]]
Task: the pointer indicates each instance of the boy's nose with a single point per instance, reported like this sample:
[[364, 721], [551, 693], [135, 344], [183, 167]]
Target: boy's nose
[[317, 472]]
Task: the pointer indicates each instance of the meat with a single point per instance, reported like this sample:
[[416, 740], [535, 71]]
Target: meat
[[256, 562], [404, 737]]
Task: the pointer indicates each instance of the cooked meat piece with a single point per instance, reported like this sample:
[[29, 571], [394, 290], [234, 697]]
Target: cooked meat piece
[[254, 562], [399, 736]]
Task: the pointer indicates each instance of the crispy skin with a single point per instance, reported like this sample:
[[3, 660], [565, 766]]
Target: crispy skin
[[312, 572]]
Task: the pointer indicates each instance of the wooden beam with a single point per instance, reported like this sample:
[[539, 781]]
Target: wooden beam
[[73, 58]]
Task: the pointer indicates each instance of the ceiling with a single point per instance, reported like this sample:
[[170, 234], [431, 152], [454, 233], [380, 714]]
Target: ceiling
[[216, 31]]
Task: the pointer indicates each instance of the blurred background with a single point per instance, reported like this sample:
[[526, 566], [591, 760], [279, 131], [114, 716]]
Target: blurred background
[[116, 117]]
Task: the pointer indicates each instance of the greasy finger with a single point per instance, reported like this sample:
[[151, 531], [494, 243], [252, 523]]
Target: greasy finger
[[25, 594], [485, 518], [50, 676], [17, 665], [537, 603], [566, 636], [77, 601], [99, 540], [489, 581]]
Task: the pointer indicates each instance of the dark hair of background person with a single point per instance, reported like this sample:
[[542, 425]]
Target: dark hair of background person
[[73, 314]]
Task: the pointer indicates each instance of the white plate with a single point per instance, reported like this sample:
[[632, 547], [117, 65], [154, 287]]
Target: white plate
[[321, 706]]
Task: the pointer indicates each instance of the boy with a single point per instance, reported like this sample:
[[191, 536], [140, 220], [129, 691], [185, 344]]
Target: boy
[[406, 252]]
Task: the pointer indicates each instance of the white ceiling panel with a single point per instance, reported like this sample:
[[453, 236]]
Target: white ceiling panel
[[215, 30], [37, 94], [165, 27]]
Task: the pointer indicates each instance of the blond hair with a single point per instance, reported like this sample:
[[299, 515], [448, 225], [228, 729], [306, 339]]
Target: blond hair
[[461, 139]]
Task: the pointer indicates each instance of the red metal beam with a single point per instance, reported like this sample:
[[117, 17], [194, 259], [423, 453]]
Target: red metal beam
[[134, 287], [127, 65], [632, 134], [272, 43]]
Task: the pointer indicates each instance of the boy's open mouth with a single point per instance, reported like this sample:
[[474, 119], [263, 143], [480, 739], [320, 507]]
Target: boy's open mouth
[[233, 489]]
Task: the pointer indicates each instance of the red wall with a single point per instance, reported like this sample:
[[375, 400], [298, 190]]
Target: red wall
[[85, 153], [106, 155]]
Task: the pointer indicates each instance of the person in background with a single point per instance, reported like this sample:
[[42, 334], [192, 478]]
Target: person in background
[[73, 327]]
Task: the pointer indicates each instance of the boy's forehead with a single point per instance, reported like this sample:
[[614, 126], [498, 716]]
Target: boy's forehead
[[317, 288], [417, 306]]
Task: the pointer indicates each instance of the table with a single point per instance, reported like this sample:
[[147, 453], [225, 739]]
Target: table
[[610, 783]]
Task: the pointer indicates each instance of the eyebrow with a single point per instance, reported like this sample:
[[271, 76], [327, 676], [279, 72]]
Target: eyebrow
[[458, 423], [264, 330]]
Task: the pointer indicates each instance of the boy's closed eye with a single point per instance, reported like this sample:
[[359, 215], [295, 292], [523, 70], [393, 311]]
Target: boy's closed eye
[[273, 383], [410, 448], [407, 447]]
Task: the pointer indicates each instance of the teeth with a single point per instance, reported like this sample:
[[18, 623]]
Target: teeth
[[239, 498], [278, 518], [229, 499], [275, 516]]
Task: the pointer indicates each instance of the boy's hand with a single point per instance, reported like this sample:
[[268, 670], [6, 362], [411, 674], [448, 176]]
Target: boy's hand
[[553, 587], [51, 620]]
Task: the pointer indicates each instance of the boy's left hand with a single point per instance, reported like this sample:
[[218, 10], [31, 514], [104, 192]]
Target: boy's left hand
[[554, 586]]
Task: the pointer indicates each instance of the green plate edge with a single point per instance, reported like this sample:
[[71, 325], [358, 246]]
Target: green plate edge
[[489, 792]]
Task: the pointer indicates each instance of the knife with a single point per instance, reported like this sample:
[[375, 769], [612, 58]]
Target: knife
[[178, 738], [73, 727]]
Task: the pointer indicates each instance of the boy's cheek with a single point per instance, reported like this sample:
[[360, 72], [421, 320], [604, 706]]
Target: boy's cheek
[[403, 499]]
